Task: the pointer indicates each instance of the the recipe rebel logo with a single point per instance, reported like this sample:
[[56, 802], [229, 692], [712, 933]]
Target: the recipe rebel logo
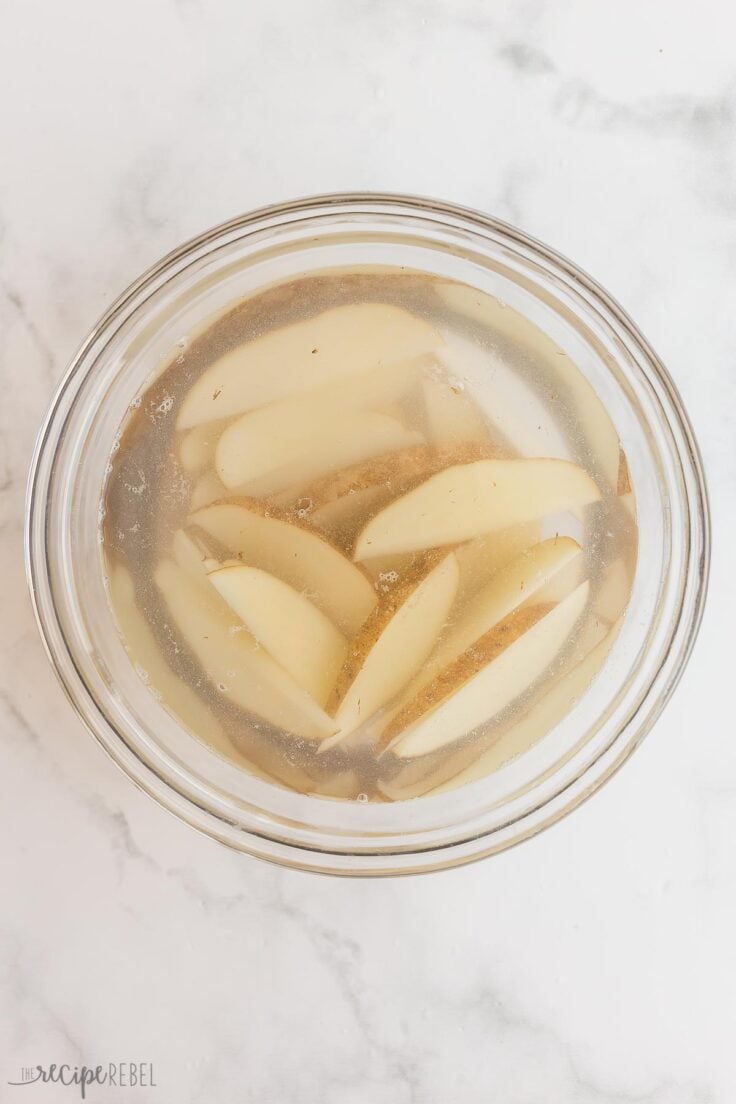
[[118, 1075]]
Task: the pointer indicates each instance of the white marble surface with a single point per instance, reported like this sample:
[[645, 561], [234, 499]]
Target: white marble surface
[[594, 965]]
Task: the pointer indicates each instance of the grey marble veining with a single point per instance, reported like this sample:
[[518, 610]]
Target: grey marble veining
[[593, 965]]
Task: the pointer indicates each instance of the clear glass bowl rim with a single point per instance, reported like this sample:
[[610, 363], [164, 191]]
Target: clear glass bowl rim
[[686, 619]]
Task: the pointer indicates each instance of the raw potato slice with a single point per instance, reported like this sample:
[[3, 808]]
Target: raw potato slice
[[393, 472], [174, 693], [394, 643], [433, 685], [297, 634], [208, 488], [344, 786], [520, 581], [273, 436], [516, 414], [261, 537], [542, 717], [329, 443], [343, 517], [339, 503], [197, 447], [438, 773], [145, 653], [599, 430], [481, 557], [190, 555], [469, 499], [614, 591], [485, 680], [343, 342], [565, 581], [234, 662], [451, 416]]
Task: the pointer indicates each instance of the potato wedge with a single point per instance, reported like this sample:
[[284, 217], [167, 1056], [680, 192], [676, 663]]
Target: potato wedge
[[485, 679], [542, 717], [208, 488], [191, 555], [517, 418], [395, 472], [479, 558], [451, 417], [343, 342], [614, 591], [197, 447], [393, 643], [235, 664], [593, 418], [263, 537], [262, 465], [520, 581], [273, 436], [343, 518], [145, 652], [295, 632], [466, 500]]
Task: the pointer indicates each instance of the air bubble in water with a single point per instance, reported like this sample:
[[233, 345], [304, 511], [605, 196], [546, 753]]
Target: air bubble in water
[[362, 797]]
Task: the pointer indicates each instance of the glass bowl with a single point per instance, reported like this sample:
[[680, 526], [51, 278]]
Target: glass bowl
[[66, 575]]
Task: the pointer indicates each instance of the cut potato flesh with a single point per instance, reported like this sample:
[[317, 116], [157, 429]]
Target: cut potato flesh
[[563, 582], [295, 632], [302, 558], [542, 717], [197, 447], [466, 500], [451, 417], [520, 581], [614, 591], [145, 651], [600, 432], [175, 694], [293, 461], [340, 503], [191, 555], [431, 687], [342, 342], [271, 437], [516, 414], [208, 488], [234, 662], [345, 785], [342, 518], [467, 702], [394, 643], [393, 472], [479, 558]]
